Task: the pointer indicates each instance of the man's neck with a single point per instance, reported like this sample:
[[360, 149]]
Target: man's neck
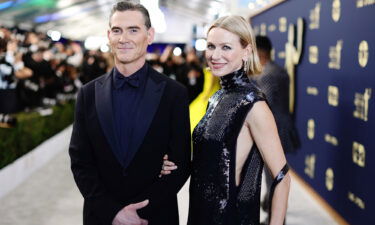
[[264, 61], [130, 68]]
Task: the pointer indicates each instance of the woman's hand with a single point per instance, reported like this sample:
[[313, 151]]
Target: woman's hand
[[167, 166]]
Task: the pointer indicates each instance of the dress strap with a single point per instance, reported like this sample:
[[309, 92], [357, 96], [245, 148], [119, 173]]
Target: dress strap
[[280, 176]]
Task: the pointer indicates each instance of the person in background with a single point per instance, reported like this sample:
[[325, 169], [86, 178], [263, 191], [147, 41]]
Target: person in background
[[194, 75], [234, 139], [125, 121], [274, 83]]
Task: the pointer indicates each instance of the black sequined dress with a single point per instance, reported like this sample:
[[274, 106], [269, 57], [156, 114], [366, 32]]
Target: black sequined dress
[[214, 197]]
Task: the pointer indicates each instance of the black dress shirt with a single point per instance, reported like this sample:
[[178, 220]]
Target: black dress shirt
[[126, 96]]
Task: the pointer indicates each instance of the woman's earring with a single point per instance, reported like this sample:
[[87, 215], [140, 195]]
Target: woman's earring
[[246, 66]]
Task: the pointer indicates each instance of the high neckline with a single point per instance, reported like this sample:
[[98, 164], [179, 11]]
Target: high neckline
[[234, 79]]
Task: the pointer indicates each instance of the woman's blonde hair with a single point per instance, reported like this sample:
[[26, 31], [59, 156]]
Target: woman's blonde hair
[[238, 25]]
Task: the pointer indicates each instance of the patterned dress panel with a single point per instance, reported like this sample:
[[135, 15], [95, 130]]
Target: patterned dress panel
[[214, 197]]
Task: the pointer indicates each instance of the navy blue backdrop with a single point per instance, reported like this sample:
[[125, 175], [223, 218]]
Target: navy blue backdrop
[[335, 99]]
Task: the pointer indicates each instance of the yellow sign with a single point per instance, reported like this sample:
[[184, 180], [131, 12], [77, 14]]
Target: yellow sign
[[313, 54], [363, 53], [364, 3], [273, 54], [359, 154], [335, 56], [329, 179], [333, 95], [312, 90], [336, 10], [356, 200], [361, 104], [281, 55], [310, 129], [310, 161], [256, 29], [315, 17], [331, 139], [272, 28], [282, 24], [263, 29]]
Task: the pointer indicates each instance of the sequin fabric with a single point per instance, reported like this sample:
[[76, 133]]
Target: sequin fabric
[[214, 197]]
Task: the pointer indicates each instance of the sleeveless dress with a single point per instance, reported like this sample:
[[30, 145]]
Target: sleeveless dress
[[214, 197]]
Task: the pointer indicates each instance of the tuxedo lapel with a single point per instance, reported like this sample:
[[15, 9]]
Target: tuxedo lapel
[[103, 103], [147, 108]]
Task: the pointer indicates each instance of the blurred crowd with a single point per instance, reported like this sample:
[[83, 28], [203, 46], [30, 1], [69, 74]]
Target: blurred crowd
[[36, 72], [184, 67]]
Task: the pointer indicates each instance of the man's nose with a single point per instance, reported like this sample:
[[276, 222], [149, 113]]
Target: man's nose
[[123, 37]]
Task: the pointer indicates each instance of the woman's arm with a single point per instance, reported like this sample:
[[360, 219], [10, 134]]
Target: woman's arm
[[264, 132]]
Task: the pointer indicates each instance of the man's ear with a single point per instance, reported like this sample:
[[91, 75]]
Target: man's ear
[[150, 35]]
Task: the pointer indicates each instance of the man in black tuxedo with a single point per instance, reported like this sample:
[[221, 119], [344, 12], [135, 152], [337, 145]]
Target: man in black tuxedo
[[125, 122]]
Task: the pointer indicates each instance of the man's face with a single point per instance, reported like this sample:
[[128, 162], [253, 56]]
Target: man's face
[[129, 37]]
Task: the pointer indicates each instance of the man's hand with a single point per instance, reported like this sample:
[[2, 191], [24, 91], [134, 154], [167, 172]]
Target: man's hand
[[128, 215]]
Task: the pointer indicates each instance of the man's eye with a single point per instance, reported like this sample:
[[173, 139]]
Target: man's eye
[[116, 31], [133, 30]]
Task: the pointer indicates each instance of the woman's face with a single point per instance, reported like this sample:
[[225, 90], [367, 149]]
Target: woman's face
[[224, 53]]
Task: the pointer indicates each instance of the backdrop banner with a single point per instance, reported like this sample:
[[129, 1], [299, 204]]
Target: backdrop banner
[[327, 48]]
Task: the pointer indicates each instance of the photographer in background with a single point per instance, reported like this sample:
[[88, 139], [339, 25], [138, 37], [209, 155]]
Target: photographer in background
[[12, 69]]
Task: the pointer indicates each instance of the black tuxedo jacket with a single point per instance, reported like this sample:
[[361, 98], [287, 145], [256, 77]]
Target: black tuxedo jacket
[[162, 127]]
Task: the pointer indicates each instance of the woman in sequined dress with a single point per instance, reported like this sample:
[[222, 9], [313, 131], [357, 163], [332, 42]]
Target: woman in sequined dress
[[235, 138]]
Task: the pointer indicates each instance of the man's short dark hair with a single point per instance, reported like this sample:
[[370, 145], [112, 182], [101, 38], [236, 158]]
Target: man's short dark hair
[[130, 6], [263, 43]]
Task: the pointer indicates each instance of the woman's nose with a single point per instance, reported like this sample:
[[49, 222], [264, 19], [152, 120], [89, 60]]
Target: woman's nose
[[216, 54]]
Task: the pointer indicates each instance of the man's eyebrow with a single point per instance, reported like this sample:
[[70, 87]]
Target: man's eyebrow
[[115, 27], [133, 27]]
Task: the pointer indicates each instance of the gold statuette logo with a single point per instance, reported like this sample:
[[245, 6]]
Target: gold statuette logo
[[315, 17], [336, 10], [331, 139], [282, 24], [312, 90], [359, 154], [335, 56], [363, 53], [361, 104], [313, 54], [310, 161], [356, 200], [329, 179], [293, 51], [333, 95], [310, 129]]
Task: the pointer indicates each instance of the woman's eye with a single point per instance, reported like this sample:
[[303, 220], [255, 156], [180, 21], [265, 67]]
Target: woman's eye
[[210, 47], [225, 47]]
